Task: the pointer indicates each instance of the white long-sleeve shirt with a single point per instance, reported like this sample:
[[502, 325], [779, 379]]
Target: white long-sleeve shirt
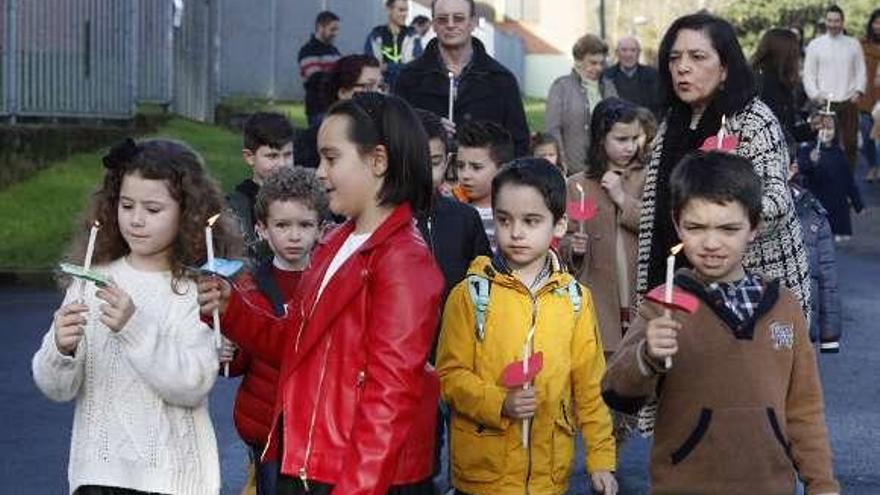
[[141, 418], [834, 65]]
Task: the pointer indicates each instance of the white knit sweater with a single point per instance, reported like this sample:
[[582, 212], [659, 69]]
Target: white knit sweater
[[141, 419]]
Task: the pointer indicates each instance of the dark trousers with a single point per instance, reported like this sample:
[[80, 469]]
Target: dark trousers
[[293, 486], [266, 473], [848, 130]]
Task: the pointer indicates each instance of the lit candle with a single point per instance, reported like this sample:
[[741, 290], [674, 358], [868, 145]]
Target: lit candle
[[722, 133], [90, 252], [209, 244], [670, 281], [583, 200], [828, 103], [450, 113]]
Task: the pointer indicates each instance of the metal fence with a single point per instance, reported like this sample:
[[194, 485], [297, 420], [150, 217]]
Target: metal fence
[[100, 58], [68, 58], [261, 42], [196, 45], [155, 51]]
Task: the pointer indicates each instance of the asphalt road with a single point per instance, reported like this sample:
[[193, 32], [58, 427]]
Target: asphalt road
[[35, 433]]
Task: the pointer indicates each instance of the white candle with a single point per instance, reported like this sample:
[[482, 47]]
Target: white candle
[[722, 132], [667, 294], [583, 196], [450, 113], [209, 244], [90, 248], [90, 252], [526, 423], [583, 199], [828, 103]]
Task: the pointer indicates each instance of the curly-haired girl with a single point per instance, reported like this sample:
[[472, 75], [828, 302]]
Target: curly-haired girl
[[134, 353]]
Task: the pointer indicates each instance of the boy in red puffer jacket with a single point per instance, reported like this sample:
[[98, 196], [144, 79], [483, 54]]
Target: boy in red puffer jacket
[[290, 211]]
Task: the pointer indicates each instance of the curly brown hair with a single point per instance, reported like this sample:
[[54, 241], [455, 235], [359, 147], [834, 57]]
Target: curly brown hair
[[197, 193], [292, 184]]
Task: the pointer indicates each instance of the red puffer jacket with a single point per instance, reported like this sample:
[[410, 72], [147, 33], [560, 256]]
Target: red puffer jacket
[[357, 401], [255, 400]]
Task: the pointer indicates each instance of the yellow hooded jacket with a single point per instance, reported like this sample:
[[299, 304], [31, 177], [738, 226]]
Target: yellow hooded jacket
[[486, 448]]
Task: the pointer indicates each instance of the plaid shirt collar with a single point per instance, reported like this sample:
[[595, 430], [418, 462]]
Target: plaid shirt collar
[[741, 297]]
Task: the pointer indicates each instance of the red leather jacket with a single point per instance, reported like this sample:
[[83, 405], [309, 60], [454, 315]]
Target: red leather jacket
[[356, 399]]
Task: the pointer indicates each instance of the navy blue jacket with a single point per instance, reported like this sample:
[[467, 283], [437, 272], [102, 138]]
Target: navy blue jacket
[[831, 181], [825, 324]]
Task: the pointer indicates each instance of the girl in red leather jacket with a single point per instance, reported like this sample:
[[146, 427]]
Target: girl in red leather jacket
[[356, 406]]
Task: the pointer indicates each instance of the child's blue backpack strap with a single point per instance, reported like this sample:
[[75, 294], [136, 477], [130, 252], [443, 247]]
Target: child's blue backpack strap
[[575, 296], [573, 291], [478, 287]]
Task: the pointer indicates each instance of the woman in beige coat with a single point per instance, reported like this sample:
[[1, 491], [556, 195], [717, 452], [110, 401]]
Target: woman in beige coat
[[573, 97]]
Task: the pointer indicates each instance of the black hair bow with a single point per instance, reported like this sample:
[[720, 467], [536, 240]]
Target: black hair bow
[[120, 154]]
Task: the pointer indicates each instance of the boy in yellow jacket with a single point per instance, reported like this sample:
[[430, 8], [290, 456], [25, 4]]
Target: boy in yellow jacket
[[515, 440]]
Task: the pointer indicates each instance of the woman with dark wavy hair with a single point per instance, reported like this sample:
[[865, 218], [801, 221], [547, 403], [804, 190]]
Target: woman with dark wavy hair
[[705, 78]]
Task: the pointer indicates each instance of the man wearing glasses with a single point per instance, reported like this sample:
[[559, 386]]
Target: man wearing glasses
[[482, 88]]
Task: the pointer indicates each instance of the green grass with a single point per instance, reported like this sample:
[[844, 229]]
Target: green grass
[[39, 214], [296, 111], [535, 113]]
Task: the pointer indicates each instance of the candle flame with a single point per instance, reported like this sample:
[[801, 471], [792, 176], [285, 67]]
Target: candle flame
[[450, 74], [676, 249], [579, 188], [97, 224], [212, 220]]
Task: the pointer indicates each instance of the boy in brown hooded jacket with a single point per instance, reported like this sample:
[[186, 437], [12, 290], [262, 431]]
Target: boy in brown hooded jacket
[[741, 409]]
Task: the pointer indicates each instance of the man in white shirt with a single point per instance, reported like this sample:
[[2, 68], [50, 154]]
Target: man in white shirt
[[834, 70]]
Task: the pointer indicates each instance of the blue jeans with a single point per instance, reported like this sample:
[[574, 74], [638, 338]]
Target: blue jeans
[[870, 148]]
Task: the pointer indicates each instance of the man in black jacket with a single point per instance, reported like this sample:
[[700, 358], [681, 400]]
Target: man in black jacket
[[316, 59], [484, 89], [635, 82]]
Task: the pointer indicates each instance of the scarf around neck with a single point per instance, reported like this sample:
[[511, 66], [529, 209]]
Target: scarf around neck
[[678, 141]]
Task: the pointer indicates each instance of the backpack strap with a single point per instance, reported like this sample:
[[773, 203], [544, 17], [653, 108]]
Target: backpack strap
[[575, 296], [478, 287]]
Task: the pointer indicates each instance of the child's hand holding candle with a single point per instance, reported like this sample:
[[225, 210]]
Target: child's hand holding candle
[[215, 313], [670, 285]]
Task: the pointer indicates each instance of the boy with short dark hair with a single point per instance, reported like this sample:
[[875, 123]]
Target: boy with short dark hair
[[452, 230], [483, 147], [516, 305], [740, 410], [290, 210], [268, 145]]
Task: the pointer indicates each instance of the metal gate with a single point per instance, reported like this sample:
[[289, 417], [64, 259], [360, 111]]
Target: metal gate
[[68, 58], [196, 45], [155, 51]]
